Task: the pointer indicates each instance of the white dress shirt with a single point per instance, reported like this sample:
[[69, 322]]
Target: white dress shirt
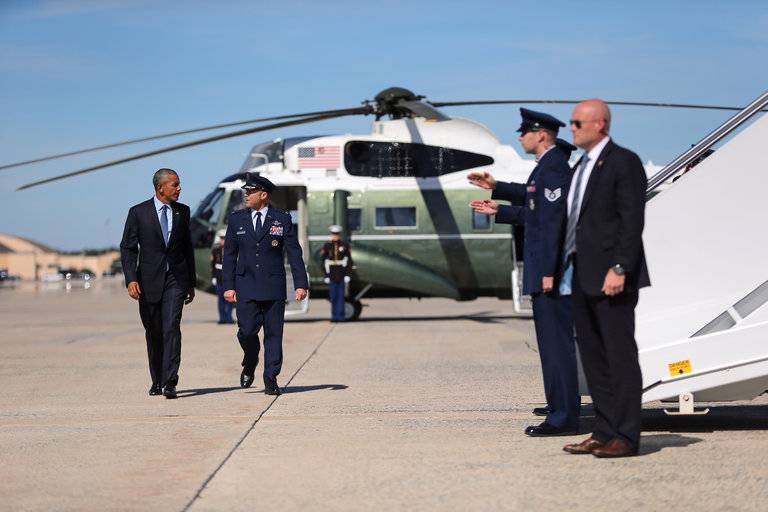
[[168, 214], [263, 216], [592, 155]]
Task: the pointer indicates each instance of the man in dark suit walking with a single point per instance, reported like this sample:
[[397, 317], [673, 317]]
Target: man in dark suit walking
[[254, 278], [605, 268], [159, 268]]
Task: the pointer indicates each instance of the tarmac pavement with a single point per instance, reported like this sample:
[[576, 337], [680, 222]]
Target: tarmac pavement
[[419, 406]]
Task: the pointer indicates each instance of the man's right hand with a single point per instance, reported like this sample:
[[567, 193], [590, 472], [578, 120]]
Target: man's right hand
[[133, 290], [230, 296], [482, 179], [486, 206]]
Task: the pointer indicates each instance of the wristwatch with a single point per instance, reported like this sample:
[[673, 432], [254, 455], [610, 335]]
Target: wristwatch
[[618, 269]]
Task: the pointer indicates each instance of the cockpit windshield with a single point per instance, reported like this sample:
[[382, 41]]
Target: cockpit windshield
[[273, 150]]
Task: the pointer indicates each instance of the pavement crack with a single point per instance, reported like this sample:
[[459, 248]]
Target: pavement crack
[[253, 425]]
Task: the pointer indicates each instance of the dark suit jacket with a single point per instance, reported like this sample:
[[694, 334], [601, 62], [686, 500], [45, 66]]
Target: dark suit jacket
[[543, 198], [610, 226], [144, 254], [253, 262]]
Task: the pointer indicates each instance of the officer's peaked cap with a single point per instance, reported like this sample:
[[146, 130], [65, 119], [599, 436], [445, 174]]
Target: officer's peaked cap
[[533, 120], [257, 182]]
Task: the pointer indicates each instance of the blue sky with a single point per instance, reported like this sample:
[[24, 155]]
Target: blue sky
[[77, 73]]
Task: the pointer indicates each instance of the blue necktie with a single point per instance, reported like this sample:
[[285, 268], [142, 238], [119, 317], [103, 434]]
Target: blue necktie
[[164, 222], [257, 222]]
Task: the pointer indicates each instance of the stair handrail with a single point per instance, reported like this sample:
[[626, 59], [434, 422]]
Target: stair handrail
[[707, 142]]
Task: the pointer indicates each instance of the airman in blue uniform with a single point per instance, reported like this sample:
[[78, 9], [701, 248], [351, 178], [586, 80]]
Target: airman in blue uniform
[[254, 278], [539, 205]]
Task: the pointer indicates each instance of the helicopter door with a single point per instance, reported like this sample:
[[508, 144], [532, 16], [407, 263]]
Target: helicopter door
[[294, 201]]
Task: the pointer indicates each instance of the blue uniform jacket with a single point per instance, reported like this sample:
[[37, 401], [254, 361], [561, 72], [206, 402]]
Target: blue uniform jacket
[[253, 262], [543, 200]]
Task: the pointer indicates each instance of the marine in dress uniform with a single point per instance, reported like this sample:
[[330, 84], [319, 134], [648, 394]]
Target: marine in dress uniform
[[217, 263], [337, 264], [257, 239], [539, 205]]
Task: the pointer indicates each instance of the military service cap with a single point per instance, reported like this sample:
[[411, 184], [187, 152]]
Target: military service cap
[[533, 120], [257, 182]]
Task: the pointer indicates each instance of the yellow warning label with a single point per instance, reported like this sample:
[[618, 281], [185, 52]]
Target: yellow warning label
[[680, 368]]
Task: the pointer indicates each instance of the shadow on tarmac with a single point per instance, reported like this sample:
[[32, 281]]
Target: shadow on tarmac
[[302, 389], [728, 417], [186, 393], [481, 317], [656, 442]]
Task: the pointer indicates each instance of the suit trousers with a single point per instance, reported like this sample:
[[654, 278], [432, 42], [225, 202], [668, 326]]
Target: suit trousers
[[605, 327], [162, 329], [252, 315], [336, 291], [554, 331]]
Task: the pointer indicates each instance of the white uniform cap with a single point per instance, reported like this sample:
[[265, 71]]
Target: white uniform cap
[[335, 228]]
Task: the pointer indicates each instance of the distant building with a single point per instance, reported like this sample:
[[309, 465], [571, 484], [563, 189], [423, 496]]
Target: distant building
[[32, 260]]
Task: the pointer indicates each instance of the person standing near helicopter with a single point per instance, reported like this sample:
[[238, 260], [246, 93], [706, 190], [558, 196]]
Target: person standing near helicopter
[[539, 205], [337, 264]]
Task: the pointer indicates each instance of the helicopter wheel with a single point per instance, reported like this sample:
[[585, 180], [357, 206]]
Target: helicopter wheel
[[352, 310]]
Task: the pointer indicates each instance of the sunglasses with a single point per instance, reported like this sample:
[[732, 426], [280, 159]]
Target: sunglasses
[[578, 123]]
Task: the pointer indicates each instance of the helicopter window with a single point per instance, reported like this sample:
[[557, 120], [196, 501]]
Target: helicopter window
[[272, 149], [235, 202], [209, 210], [401, 159], [480, 220], [354, 218], [396, 217]]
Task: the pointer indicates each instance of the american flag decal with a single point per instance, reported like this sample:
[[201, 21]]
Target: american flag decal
[[319, 157]]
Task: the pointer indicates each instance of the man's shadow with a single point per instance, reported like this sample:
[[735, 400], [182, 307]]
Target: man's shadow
[[186, 393], [302, 389]]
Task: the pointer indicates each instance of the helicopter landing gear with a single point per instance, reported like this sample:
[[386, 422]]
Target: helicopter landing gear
[[352, 310]]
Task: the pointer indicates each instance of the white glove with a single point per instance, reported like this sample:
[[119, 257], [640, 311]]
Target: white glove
[[347, 279], [213, 281], [327, 280]]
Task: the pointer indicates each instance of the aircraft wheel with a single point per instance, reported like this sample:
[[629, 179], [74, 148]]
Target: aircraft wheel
[[352, 310]]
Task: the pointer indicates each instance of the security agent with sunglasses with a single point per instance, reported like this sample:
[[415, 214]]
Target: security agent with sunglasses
[[539, 205], [605, 267], [254, 278]]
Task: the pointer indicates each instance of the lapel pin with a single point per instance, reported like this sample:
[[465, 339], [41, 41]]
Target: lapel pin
[[599, 163]]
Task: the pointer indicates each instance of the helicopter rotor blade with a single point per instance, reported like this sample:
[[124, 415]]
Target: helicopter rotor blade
[[571, 102], [174, 134], [294, 122]]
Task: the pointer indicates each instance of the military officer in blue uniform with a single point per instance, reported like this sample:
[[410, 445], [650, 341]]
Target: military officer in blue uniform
[[254, 278], [539, 205]]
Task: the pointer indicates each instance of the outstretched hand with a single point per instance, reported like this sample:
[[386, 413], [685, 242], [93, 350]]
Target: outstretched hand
[[486, 206], [482, 179]]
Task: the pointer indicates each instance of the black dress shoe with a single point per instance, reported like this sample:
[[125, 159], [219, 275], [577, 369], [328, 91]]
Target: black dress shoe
[[169, 392], [246, 376], [540, 411], [272, 389], [155, 390], [545, 430]]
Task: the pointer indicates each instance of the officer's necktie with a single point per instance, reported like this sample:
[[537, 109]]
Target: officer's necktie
[[573, 213], [257, 222], [164, 222]]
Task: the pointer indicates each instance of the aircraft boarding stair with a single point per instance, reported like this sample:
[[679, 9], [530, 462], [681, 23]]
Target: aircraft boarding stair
[[702, 326]]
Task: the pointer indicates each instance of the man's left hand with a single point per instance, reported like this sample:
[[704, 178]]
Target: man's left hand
[[301, 294], [547, 283], [613, 284], [190, 296], [486, 206]]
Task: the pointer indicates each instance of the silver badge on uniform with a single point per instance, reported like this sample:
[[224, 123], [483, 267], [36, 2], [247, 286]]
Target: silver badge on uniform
[[531, 204], [274, 243], [552, 195]]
